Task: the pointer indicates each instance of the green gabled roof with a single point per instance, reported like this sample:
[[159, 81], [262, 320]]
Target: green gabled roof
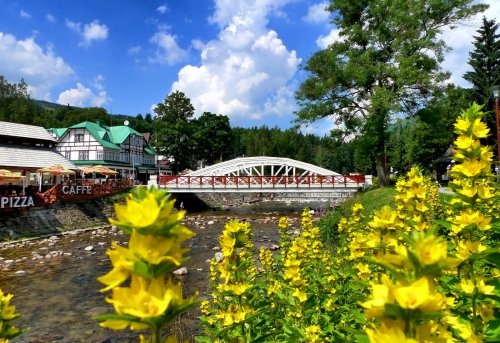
[[150, 151], [98, 132], [120, 133], [58, 131]]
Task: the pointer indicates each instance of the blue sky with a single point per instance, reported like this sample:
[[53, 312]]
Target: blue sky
[[241, 58]]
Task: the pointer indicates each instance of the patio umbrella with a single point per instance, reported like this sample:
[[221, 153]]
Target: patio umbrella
[[55, 169], [100, 169], [7, 175], [87, 170]]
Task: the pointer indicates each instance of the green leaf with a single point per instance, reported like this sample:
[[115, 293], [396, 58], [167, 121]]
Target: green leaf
[[493, 331], [494, 259], [142, 269], [362, 339]]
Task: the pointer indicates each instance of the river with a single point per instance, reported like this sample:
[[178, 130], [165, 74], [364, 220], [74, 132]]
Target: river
[[54, 279]]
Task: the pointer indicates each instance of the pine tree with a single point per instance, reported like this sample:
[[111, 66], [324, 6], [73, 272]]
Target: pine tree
[[485, 63]]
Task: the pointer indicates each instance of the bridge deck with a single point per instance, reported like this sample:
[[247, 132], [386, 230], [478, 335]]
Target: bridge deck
[[252, 184]]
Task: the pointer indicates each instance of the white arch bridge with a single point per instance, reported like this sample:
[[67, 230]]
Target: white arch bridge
[[265, 175]]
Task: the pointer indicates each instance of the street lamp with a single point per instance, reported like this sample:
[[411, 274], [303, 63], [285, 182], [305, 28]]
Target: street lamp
[[496, 95]]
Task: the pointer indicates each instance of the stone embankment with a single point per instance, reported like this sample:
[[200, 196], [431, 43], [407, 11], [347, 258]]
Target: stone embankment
[[40, 222]]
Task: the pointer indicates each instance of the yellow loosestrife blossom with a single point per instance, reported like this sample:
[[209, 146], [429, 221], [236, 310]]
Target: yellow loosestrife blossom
[[154, 250], [7, 314]]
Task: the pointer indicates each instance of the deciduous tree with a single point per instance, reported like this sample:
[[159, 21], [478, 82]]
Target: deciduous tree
[[386, 61], [173, 130]]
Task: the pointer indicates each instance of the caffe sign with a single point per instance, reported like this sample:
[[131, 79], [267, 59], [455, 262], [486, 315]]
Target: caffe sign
[[15, 202], [77, 189]]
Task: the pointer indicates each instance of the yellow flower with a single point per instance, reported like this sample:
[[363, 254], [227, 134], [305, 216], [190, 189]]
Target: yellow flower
[[236, 288], [156, 249], [471, 218], [123, 261], [143, 300], [468, 287], [431, 250], [471, 168], [389, 332], [486, 311], [137, 213], [380, 295], [479, 129], [363, 271], [233, 315], [385, 218], [312, 334], [466, 143], [466, 248], [302, 296], [419, 295]]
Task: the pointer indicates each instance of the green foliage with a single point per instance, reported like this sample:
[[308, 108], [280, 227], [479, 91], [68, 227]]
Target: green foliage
[[213, 137], [386, 63], [485, 63], [174, 130], [371, 200]]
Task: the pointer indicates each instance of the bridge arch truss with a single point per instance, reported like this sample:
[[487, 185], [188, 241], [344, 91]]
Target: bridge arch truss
[[260, 174]]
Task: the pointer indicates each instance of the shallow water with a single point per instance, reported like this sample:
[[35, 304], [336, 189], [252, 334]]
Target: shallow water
[[58, 295]]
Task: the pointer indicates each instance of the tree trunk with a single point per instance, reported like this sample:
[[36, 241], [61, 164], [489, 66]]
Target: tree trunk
[[380, 167]]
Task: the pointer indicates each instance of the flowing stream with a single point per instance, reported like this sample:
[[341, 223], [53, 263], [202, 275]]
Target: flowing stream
[[54, 279]]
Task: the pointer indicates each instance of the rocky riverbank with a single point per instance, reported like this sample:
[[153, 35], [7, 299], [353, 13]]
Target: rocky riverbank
[[54, 279]]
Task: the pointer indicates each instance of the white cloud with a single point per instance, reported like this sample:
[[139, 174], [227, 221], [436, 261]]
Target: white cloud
[[90, 32], [42, 70], [246, 72], [24, 14], [134, 50], [324, 41], [82, 96], [168, 51], [317, 13], [460, 40], [162, 9], [50, 18]]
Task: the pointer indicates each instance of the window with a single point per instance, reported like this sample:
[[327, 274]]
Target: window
[[83, 155], [99, 155], [67, 155], [79, 137]]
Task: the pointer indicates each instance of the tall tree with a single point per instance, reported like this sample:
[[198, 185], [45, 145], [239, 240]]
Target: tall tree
[[485, 63], [213, 138], [173, 130], [386, 61]]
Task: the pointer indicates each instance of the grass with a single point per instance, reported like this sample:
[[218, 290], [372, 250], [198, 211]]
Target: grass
[[370, 199]]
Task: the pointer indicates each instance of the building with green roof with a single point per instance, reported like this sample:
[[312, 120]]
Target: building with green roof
[[118, 147]]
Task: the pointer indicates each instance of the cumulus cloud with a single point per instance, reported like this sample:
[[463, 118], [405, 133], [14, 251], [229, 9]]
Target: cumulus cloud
[[90, 32], [24, 14], [40, 68], [460, 40], [50, 18], [167, 49], [317, 13], [82, 96], [245, 72], [162, 9], [324, 41]]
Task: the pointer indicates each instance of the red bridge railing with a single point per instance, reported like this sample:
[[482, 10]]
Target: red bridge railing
[[237, 182]]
